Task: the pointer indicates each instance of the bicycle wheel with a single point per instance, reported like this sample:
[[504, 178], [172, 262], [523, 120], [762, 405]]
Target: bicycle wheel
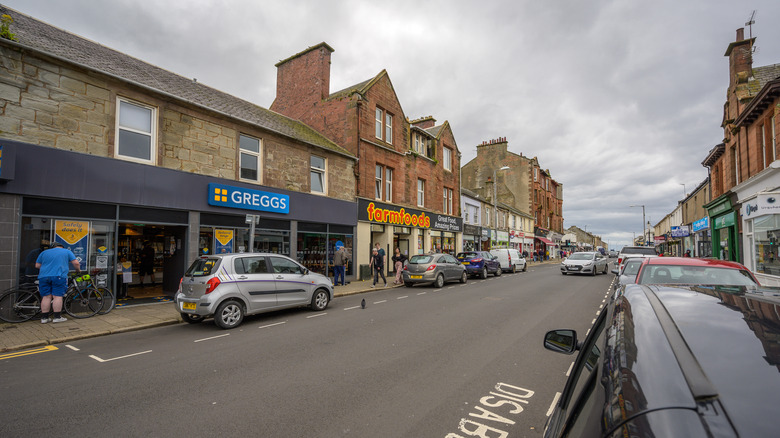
[[83, 303], [18, 305], [109, 300]]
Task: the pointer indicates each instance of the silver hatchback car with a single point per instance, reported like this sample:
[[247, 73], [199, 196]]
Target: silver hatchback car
[[433, 269], [231, 286]]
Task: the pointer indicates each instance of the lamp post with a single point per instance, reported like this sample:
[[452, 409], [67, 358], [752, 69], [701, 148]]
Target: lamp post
[[643, 222], [495, 196]]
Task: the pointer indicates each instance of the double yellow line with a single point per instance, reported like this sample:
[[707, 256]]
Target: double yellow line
[[28, 352]]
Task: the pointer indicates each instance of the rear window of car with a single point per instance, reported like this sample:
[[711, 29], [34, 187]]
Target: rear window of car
[[639, 250], [421, 259], [468, 255], [673, 274], [203, 267]]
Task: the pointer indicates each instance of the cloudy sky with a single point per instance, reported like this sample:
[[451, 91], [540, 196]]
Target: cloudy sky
[[620, 100]]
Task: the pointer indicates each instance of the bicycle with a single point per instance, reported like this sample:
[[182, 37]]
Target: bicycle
[[109, 300], [82, 303], [82, 300], [20, 304]]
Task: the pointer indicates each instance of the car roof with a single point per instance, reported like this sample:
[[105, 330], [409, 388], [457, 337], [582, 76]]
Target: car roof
[[692, 261], [732, 334]]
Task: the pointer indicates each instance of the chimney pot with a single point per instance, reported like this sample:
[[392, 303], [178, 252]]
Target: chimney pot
[[740, 34]]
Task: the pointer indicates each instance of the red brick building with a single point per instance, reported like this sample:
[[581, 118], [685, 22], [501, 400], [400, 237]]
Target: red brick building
[[407, 169]]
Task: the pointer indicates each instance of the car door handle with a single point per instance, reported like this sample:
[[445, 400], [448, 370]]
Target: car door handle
[[243, 277]]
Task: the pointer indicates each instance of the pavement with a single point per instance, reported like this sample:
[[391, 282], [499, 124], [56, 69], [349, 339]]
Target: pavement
[[126, 317]]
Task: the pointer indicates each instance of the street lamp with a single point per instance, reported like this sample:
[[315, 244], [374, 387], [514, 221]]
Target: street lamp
[[495, 196], [643, 222]]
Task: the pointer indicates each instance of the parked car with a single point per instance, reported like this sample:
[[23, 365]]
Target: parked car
[[673, 361], [435, 269], [627, 273], [510, 259], [586, 262], [688, 270], [231, 286], [636, 250], [480, 263], [613, 253]]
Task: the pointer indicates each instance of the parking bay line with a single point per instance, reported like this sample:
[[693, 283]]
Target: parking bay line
[[212, 337], [316, 316], [554, 402], [120, 357], [380, 302], [272, 325]]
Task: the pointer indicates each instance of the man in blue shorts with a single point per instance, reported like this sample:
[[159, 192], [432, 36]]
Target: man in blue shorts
[[53, 280]]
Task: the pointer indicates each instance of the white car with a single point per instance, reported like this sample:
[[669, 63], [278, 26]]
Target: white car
[[590, 262], [511, 260]]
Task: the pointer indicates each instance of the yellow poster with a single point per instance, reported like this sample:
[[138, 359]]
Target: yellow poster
[[71, 232]]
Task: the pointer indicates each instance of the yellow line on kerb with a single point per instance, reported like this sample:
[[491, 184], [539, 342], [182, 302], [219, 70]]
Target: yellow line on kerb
[[28, 352]]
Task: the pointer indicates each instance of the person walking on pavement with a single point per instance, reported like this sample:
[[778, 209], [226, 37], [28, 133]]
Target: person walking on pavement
[[340, 264], [398, 260], [378, 265], [53, 280]]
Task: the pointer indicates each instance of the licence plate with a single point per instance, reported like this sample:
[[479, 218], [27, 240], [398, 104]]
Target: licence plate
[[415, 277], [466, 263], [188, 306]]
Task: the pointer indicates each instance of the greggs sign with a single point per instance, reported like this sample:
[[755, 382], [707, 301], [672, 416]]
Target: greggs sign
[[402, 217]]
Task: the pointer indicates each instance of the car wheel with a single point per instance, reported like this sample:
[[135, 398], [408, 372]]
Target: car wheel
[[319, 301], [463, 277], [593, 272], [229, 314], [192, 319], [484, 273], [408, 284], [563, 273], [499, 271], [605, 269], [525, 267], [439, 283], [514, 269]]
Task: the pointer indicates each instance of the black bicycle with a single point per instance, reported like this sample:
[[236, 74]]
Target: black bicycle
[[20, 304], [81, 300]]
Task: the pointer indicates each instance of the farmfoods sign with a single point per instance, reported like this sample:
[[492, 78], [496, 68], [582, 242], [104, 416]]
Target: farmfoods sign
[[389, 214]]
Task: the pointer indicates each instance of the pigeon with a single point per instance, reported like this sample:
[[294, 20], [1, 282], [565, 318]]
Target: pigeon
[[363, 303]]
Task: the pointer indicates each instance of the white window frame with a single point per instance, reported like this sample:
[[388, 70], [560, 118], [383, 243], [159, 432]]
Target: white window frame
[[774, 140], [322, 172], [378, 174], [379, 124], [388, 184], [152, 134], [450, 209], [388, 128], [536, 174], [447, 159], [763, 146], [258, 155], [420, 192]]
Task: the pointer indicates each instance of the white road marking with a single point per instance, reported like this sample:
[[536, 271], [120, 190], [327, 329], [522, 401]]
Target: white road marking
[[353, 307], [316, 316], [554, 402], [380, 302], [569, 370], [401, 298], [72, 347], [422, 293], [272, 325], [117, 358], [212, 337]]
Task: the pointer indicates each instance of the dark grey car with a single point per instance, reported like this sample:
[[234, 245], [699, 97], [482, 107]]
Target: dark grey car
[[435, 269], [627, 273]]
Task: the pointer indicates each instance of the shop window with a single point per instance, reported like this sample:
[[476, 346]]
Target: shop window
[[250, 162], [766, 232], [318, 180], [136, 138]]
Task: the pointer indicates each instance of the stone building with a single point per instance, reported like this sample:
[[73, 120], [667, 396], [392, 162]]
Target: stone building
[[108, 153], [520, 183], [407, 179], [744, 171]]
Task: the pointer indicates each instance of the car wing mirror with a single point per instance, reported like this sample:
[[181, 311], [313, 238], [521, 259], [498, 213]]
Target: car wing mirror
[[561, 341], [615, 271]]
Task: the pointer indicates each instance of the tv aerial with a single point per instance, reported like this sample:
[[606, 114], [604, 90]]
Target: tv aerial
[[751, 22]]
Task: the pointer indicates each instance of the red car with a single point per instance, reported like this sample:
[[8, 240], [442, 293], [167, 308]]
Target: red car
[[687, 270]]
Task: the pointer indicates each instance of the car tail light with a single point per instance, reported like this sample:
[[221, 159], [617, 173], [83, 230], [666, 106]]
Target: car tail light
[[476, 260], [180, 281], [213, 283], [431, 268]]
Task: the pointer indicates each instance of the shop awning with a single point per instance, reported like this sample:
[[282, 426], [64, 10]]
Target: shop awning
[[547, 241]]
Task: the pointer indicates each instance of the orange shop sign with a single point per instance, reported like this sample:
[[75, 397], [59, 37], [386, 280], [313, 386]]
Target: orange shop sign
[[392, 215]]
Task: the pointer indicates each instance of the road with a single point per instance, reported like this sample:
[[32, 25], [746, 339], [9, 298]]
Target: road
[[464, 360]]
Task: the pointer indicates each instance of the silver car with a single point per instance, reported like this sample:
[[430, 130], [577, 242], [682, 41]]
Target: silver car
[[626, 274], [230, 286], [591, 262], [433, 269]]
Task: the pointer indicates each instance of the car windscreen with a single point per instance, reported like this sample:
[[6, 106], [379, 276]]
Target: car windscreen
[[632, 267], [203, 267], [581, 256], [675, 274], [421, 259]]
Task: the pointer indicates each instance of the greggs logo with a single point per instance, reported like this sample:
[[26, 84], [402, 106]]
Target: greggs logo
[[397, 217]]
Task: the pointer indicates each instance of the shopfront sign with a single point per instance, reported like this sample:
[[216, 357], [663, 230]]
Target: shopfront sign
[[761, 205], [701, 224], [381, 213], [659, 239], [727, 220], [224, 241], [681, 231], [222, 195]]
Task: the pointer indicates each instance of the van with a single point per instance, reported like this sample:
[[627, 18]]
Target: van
[[511, 260]]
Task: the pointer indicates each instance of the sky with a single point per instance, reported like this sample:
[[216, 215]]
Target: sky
[[620, 100]]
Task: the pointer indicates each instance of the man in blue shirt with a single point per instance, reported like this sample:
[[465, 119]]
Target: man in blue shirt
[[53, 280]]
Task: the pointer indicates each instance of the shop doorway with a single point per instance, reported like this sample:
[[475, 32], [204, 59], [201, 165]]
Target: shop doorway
[[403, 245], [157, 257]]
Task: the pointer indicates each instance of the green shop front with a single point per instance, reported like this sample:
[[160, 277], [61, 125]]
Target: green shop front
[[725, 228]]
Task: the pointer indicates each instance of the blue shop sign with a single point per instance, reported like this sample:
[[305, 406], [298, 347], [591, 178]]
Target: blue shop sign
[[701, 224], [681, 231], [222, 195]]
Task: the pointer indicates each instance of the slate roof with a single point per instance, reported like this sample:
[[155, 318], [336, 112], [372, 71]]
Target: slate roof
[[762, 76], [47, 39]]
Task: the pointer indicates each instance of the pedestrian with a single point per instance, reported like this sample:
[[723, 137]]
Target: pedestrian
[[525, 254], [381, 252], [378, 265], [687, 253], [147, 263], [53, 280], [340, 260], [398, 259], [30, 271]]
